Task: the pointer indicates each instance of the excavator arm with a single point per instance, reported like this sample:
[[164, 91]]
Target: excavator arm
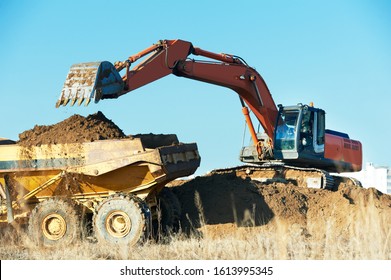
[[101, 80], [300, 138]]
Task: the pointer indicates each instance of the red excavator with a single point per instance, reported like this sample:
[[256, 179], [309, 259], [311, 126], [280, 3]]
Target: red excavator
[[295, 140]]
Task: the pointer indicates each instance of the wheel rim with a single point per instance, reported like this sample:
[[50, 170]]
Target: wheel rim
[[54, 227], [118, 224]]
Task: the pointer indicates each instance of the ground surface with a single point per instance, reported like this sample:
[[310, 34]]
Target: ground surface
[[274, 220], [225, 202], [226, 198]]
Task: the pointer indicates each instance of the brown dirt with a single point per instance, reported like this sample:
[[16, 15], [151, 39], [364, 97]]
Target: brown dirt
[[74, 129], [224, 202], [78, 129]]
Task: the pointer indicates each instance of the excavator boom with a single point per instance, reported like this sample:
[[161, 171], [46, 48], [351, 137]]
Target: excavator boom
[[293, 134], [95, 81]]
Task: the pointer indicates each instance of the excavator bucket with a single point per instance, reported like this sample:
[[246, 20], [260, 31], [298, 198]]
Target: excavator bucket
[[90, 81]]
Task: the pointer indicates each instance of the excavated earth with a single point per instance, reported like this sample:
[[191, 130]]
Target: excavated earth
[[79, 129], [75, 129], [223, 202]]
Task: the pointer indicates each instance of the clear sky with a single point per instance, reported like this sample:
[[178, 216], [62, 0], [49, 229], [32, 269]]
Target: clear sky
[[334, 53]]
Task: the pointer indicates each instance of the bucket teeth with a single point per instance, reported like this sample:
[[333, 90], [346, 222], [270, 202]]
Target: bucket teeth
[[81, 99], [65, 102], [58, 103], [90, 81], [79, 84], [87, 101]]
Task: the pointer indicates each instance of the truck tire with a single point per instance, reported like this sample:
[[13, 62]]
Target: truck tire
[[169, 214], [121, 220], [54, 222]]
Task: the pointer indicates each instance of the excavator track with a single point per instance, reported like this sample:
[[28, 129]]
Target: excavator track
[[278, 172]]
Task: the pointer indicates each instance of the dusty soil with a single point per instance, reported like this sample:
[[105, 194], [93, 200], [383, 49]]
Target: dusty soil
[[78, 129], [74, 129], [223, 203]]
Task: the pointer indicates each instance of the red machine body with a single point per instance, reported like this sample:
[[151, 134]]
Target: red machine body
[[306, 143]]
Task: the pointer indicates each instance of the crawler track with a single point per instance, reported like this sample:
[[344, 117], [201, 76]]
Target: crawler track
[[278, 172]]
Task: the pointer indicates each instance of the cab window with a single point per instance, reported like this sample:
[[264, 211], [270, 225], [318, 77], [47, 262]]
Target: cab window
[[286, 130]]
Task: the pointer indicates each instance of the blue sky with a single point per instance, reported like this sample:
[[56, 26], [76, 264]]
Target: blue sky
[[334, 53]]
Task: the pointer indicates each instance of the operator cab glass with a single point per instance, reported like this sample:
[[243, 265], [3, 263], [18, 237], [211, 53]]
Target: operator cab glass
[[286, 131], [299, 135]]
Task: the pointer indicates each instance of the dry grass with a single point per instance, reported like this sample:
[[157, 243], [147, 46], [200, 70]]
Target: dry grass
[[366, 235]]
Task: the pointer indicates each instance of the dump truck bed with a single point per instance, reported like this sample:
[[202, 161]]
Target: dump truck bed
[[94, 168]]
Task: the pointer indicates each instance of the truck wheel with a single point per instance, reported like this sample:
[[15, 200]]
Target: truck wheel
[[54, 222], [169, 213], [122, 220]]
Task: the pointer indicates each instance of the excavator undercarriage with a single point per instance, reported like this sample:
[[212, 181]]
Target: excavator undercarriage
[[278, 172]]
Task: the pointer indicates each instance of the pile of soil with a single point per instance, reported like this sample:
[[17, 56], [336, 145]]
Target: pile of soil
[[78, 129], [225, 202], [75, 129]]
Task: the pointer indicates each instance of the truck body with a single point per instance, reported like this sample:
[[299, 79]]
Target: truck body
[[88, 173]]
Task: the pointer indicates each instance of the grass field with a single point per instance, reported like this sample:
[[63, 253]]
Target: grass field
[[364, 236]]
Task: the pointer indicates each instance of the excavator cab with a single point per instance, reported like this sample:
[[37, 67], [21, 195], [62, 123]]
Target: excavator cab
[[301, 139], [300, 134]]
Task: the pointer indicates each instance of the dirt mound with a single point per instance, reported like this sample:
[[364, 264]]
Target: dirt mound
[[74, 129], [215, 200]]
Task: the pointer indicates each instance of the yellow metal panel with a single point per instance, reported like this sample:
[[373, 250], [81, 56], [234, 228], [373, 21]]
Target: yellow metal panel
[[124, 179]]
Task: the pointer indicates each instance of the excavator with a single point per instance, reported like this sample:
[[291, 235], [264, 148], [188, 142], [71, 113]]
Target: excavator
[[295, 145]]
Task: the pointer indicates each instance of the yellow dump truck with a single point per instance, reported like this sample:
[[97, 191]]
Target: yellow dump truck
[[117, 186]]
